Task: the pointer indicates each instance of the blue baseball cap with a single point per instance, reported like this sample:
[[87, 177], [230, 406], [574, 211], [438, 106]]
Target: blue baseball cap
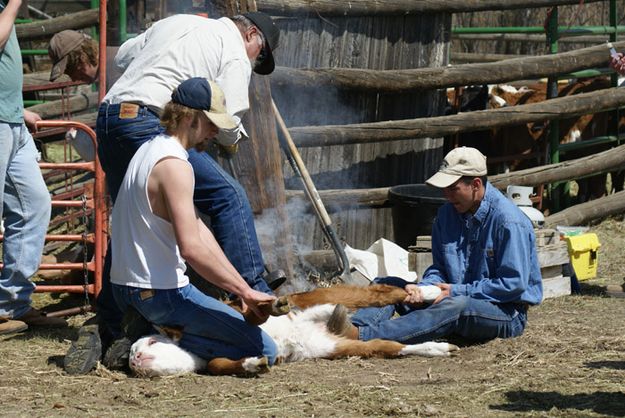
[[202, 94]]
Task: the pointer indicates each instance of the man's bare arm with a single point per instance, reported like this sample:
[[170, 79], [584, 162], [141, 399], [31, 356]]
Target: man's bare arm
[[7, 19], [201, 251]]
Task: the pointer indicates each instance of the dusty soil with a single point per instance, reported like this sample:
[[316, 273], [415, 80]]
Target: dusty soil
[[569, 362]]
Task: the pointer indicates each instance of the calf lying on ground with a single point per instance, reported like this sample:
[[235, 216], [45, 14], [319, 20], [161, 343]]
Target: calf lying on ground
[[299, 335]]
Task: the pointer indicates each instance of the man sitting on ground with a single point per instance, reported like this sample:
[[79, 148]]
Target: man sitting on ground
[[484, 262], [156, 229]]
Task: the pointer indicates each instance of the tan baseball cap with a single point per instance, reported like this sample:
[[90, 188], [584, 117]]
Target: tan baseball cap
[[459, 162], [60, 46], [203, 94]]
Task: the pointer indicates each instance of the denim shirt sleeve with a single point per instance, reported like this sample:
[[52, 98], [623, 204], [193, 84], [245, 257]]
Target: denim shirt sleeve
[[512, 248]]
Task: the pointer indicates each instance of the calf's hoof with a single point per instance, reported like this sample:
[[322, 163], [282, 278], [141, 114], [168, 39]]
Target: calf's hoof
[[280, 306], [256, 365]]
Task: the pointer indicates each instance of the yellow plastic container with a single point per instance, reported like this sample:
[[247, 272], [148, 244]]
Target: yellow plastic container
[[584, 253]]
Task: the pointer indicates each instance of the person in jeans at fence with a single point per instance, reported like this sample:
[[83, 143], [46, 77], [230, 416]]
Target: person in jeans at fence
[[24, 198], [484, 263], [179, 47]]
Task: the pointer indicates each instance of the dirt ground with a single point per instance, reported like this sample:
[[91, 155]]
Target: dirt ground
[[570, 362]]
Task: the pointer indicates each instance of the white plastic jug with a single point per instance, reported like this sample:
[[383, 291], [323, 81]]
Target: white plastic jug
[[520, 195]]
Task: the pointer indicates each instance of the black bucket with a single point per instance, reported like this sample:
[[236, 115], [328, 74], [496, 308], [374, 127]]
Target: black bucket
[[414, 209]]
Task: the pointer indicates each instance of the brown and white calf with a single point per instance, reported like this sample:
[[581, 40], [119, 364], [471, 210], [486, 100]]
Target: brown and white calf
[[300, 334]]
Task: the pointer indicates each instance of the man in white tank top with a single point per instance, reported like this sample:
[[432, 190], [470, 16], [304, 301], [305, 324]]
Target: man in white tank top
[[155, 229]]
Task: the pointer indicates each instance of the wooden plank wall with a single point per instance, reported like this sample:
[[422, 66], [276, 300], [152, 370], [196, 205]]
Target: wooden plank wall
[[360, 42]]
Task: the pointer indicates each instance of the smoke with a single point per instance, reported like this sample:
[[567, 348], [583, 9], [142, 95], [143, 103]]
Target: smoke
[[278, 239]]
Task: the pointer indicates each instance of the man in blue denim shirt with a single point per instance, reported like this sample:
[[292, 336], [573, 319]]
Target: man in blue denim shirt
[[484, 263]]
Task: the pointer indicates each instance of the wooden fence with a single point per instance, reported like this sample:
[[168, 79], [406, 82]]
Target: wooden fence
[[458, 75], [365, 43], [602, 162], [397, 7], [47, 28], [360, 85], [328, 141]]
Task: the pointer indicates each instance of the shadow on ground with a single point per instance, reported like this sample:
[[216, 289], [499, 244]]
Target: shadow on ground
[[607, 403], [617, 365]]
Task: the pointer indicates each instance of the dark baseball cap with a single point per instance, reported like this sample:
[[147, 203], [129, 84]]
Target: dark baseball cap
[[60, 46], [202, 94], [272, 37]]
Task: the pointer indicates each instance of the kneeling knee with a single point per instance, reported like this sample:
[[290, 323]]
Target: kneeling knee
[[270, 350]]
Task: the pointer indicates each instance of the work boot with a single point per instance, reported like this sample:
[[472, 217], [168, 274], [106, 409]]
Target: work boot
[[118, 355], [36, 318], [10, 326], [85, 352], [339, 323], [134, 326]]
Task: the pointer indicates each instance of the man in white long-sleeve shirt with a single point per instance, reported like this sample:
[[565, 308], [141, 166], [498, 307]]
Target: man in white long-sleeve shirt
[[160, 58], [174, 49]]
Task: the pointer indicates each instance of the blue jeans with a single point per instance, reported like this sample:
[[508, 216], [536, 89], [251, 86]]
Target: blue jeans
[[210, 328], [25, 206], [472, 319], [217, 195], [223, 199]]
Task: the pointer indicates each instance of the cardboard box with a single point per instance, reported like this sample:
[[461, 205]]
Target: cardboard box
[[420, 255], [584, 252]]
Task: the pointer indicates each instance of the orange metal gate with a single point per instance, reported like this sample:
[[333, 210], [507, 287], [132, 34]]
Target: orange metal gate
[[95, 203]]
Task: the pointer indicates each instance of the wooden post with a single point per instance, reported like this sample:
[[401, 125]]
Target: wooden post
[[583, 213], [602, 162], [410, 129], [397, 7], [76, 103], [47, 28], [429, 78]]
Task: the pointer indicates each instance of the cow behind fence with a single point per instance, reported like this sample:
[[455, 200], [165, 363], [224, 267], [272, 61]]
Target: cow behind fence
[[515, 147]]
